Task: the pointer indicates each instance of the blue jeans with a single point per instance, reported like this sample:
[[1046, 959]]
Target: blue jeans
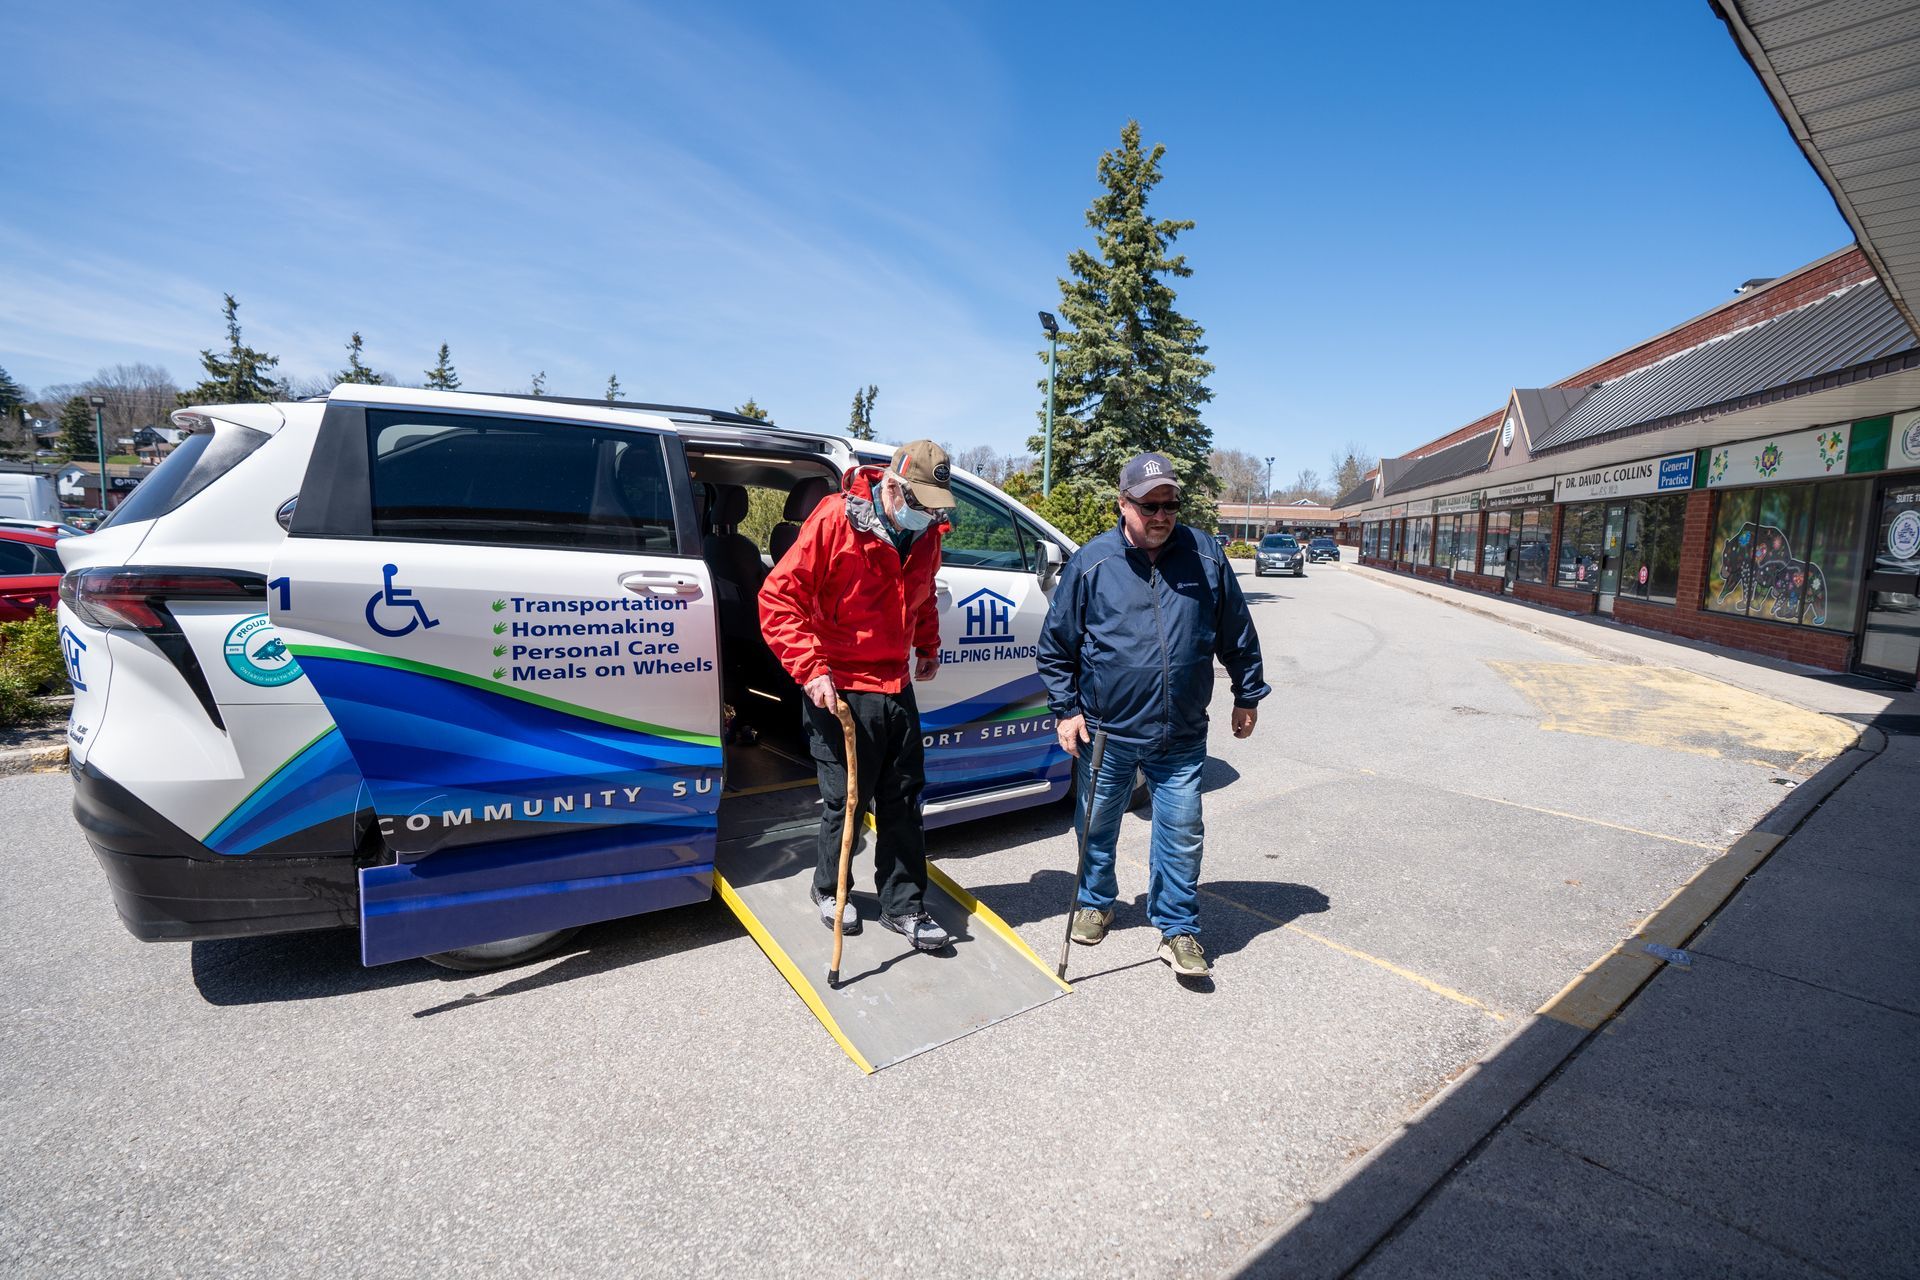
[[1173, 861]]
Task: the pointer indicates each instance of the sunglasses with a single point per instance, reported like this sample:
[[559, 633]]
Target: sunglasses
[[1156, 508]]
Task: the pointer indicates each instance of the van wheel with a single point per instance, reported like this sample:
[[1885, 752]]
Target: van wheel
[[504, 953]]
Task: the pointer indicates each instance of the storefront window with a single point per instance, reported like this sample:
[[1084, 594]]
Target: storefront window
[[1531, 550], [1789, 554], [1650, 554], [1498, 541], [1581, 532], [1443, 541], [1398, 550], [1420, 540]]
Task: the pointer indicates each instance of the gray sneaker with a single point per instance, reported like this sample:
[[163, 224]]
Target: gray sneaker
[[922, 930], [1182, 951], [849, 920], [1090, 926]]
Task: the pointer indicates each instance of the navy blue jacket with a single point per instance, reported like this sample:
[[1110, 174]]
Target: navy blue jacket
[[1130, 642]]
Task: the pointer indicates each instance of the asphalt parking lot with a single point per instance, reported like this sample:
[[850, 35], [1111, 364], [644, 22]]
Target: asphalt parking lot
[[1439, 821]]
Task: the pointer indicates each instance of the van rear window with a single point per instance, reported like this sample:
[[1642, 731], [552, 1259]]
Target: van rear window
[[201, 458]]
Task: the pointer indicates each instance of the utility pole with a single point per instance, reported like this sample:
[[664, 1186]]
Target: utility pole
[[1269, 503], [99, 404]]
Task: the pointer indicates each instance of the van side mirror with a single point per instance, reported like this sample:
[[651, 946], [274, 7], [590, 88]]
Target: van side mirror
[[1051, 560]]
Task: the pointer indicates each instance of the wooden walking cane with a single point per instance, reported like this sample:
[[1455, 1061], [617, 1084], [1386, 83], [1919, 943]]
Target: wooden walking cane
[[846, 837]]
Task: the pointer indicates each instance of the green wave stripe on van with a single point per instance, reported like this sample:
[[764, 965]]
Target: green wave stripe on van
[[505, 691], [277, 771], [1018, 713]]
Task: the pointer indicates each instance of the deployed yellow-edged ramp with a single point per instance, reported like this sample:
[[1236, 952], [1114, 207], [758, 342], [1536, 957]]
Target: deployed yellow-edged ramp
[[893, 1002]]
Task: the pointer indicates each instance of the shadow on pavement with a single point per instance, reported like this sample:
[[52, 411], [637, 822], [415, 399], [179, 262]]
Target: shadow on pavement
[[1463, 1186], [317, 966], [1264, 906]]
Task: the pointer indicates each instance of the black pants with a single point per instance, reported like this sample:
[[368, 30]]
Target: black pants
[[893, 772]]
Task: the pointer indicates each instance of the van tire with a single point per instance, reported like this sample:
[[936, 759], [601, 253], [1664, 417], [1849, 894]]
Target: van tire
[[505, 953]]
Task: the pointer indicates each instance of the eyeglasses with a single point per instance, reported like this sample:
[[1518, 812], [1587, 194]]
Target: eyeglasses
[[1156, 508]]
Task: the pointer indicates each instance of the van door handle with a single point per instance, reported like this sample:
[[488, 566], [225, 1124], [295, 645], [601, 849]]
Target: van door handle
[[662, 582]]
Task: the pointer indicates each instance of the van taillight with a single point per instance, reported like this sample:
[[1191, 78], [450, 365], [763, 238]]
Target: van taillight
[[138, 598]]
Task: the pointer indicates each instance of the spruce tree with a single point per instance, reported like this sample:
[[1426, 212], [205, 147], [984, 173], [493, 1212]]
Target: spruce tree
[[860, 426], [442, 377], [613, 387], [241, 376], [355, 370], [752, 410], [1132, 374], [77, 437], [539, 387]]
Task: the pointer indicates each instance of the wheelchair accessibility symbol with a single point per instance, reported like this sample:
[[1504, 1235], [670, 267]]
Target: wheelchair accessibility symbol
[[400, 598]]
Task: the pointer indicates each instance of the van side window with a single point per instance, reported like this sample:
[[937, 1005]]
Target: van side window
[[982, 535], [518, 482]]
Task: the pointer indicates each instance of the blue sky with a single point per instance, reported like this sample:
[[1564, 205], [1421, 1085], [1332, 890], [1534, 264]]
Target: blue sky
[[1403, 210]]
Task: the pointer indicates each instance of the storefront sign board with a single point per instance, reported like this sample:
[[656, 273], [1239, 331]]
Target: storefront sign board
[[1458, 502], [1798, 455], [1903, 447], [1627, 480]]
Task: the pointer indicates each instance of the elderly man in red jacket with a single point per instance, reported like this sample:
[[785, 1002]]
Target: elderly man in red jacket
[[847, 610]]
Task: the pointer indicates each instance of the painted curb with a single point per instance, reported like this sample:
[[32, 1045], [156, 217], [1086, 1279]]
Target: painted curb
[[1336, 1230], [34, 760]]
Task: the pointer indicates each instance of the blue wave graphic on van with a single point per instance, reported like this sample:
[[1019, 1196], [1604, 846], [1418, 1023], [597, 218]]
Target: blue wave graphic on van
[[996, 739], [319, 783], [447, 760]]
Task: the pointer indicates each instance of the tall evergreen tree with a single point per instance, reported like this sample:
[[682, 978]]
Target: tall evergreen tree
[[860, 426], [76, 430], [241, 376], [539, 387], [356, 371], [1132, 374], [752, 410], [613, 387], [16, 442], [442, 377]]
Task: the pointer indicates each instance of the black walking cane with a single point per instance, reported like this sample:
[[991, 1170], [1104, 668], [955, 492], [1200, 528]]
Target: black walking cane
[[1086, 827]]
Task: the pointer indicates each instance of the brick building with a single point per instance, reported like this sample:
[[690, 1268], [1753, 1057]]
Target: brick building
[[1749, 477]]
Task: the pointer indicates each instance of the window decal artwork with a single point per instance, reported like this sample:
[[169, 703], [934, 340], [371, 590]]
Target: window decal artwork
[[1757, 564]]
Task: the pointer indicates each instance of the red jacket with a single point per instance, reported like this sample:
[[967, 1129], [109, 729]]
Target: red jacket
[[840, 601]]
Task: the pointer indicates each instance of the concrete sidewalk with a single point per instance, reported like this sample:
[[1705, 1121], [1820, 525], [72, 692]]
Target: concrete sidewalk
[[1750, 1111]]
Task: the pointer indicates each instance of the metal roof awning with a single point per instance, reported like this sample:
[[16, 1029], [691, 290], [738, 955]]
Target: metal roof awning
[[1845, 75]]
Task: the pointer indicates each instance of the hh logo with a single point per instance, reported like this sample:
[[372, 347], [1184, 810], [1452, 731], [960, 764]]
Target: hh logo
[[989, 618], [71, 647]]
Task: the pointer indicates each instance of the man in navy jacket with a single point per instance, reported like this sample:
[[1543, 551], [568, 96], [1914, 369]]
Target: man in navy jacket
[[1137, 619]]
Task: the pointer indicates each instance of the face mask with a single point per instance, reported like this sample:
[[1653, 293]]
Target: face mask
[[912, 521], [907, 518]]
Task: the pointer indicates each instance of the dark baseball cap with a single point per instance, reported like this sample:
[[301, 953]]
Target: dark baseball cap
[[1147, 472], [927, 471]]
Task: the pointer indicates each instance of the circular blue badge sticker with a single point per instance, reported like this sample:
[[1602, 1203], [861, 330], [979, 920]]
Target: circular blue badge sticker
[[1903, 538], [257, 654]]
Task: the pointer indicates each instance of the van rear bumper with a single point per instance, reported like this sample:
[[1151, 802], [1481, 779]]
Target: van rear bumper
[[168, 886]]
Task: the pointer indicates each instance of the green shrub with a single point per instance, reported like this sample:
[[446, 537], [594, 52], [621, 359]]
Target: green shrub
[[30, 665], [1240, 550]]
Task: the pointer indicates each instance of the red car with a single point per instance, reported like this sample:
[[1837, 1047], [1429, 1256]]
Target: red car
[[29, 573]]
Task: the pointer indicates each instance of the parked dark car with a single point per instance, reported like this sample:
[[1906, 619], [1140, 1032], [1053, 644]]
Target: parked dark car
[[29, 573], [1279, 553], [1322, 549]]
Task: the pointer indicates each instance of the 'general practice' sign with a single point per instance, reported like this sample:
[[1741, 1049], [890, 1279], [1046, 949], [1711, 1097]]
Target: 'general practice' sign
[[1629, 479]]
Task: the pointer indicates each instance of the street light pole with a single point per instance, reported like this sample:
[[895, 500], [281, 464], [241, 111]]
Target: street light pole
[[1052, 327], [100, 442], [1269, 502]]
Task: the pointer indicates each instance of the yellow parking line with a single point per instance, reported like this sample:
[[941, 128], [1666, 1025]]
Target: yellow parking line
[[1399, 971]]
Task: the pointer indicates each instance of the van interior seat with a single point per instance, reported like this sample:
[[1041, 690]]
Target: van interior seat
[[806, 495]]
